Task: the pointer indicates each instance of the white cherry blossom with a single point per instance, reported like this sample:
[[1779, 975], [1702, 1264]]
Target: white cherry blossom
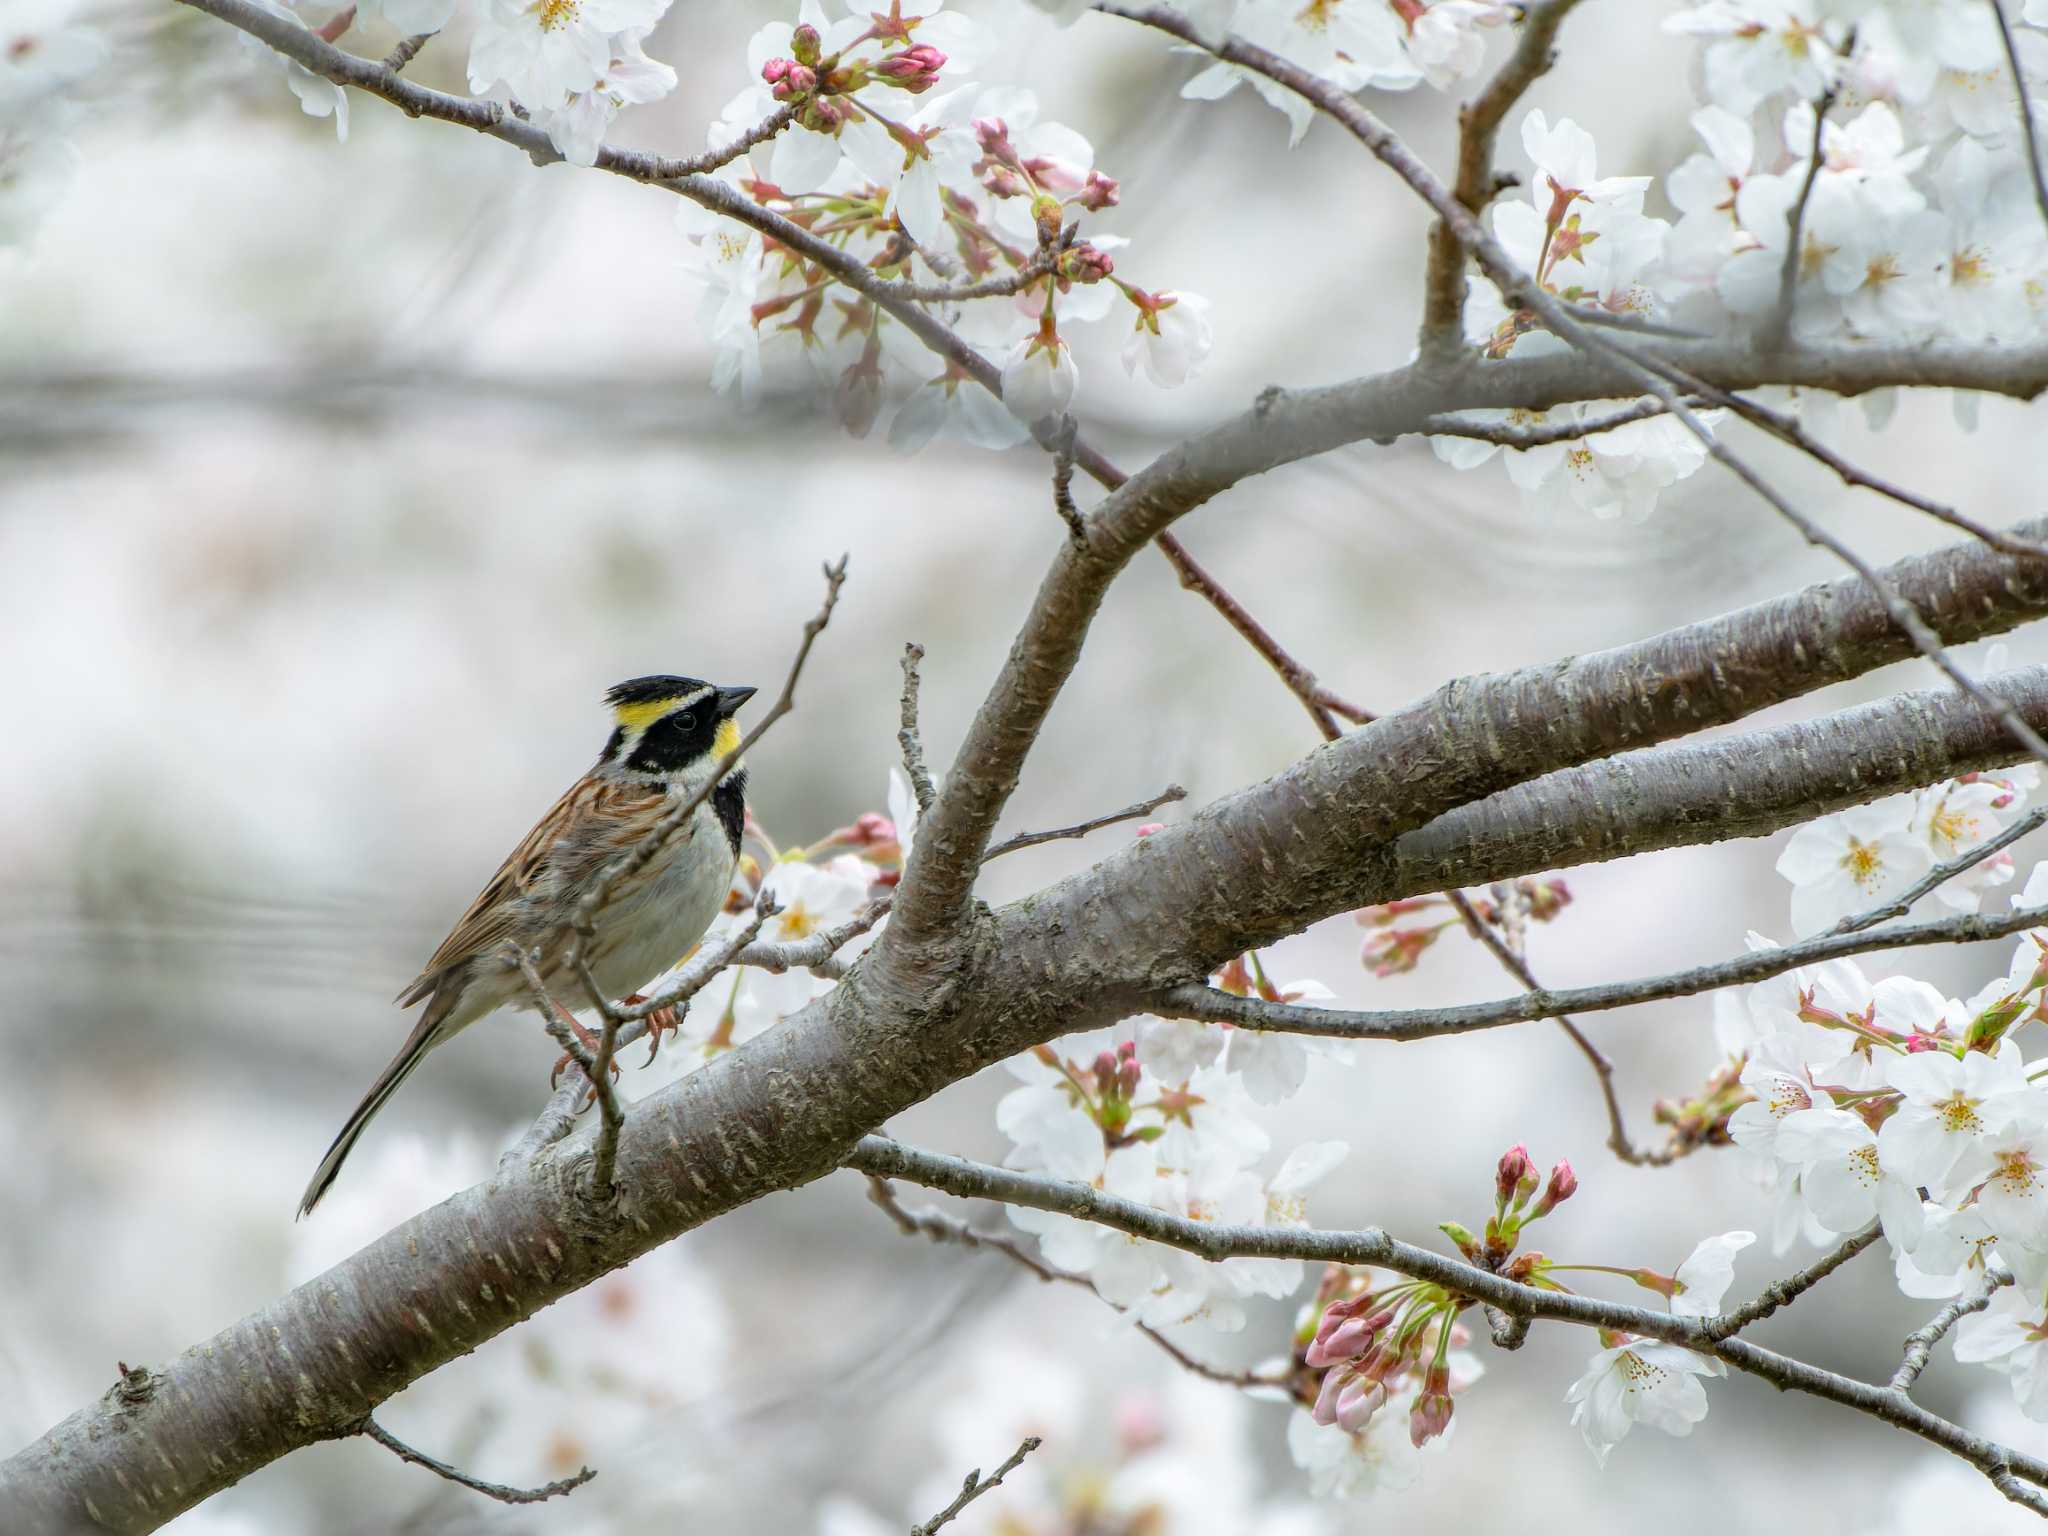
[[1848, 862], [1940, 1136], [2011, 1336], [1641, 1381]]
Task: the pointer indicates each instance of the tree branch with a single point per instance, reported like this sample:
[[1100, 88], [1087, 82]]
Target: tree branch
[[1217, 1241], [1443, 316], [1213, 1006], [2019, 84], [1921, 1341], [498, 1491], [976, 1485], [1167, 795], [908, 739]]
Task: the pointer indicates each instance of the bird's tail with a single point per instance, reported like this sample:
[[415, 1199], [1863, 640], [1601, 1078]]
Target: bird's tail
[[425, 1036]]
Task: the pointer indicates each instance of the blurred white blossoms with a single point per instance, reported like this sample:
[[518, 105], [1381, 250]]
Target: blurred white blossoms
[[44, 56]]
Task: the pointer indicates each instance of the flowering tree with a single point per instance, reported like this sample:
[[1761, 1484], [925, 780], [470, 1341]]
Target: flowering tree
[[1866, 212]]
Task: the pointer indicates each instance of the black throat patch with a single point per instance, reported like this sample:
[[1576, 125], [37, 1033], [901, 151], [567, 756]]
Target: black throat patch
[[729, 800]]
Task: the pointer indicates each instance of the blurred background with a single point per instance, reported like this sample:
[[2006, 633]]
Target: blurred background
[[338, 481]]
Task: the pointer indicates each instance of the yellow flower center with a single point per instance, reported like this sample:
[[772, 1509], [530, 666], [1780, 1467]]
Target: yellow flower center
[[1959, 1114], [556, 14], [1863, 862]]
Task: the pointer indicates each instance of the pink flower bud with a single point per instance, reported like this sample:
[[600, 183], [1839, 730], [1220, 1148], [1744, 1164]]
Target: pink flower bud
[[1149, 828], [1085, 264], [1001, 181], [1515, 1166], [1127, 1078], [1546, 898], [1562, 1186], [993, 135], [1097, 193], [1105, 1071], [914, 69], [1431, 1414], [805, 44]]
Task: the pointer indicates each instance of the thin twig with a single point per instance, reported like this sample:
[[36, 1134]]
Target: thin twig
[[559, 1114], [1214, 1006], [2019, 82], [929, 1222], [909, 740], [1040, 262], [407, 50], [1508, 435], [976, 1485], [1792, 1287], [1788, 429], [1779, 326], [1919, 1344], [504, 1495], [1321, 704], [816, 952], [1941, 874], [1618, 1139], [1063, 481], [1082, 829]]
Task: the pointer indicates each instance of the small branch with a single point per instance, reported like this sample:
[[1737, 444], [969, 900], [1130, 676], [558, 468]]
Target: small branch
[[1443, 322], [1082, 829], [1041, 261], [504, 1495], [2019, 81], [559, 1114], [907, 737], [407, 50], [940, 1228], [1063, 482], [814, 953], [1319, 701], [1511, 960], [1779, 326], [1792, 1287], [1921, 1341], [1508, 1332], [1510, 436], [1941, 874], [1197, 1001], [1216, 1241], [976, 1486], [1788, 429]]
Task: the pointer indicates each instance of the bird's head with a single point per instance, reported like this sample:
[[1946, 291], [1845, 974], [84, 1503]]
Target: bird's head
[[672, 729]]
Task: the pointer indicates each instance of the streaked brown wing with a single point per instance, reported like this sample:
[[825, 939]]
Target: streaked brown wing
[[594, 822]]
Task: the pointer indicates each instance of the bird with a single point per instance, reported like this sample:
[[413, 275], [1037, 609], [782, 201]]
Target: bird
[[669, 735]]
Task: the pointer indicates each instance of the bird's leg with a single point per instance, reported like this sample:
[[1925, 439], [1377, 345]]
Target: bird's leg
[[589, 1043], [663, 1021]]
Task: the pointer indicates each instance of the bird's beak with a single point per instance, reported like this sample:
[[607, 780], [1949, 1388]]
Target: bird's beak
[[730, 699]]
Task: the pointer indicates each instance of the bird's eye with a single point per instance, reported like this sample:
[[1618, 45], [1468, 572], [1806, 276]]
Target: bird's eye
[[686, 721]]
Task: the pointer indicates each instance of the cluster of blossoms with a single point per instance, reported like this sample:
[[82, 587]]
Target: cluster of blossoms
[[1887, 1101], [568, 64], [891, 155], [43, 56], [1861, 858], [1919, 220]]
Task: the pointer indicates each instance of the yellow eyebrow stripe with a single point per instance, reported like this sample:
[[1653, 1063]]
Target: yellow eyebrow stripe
[[637, 717]]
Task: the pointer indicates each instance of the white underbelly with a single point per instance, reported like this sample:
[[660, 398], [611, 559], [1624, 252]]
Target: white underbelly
[[669, 911]]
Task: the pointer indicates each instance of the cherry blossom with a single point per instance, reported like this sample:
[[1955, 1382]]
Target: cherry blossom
[[2011, 1336], [1848, 862], [1640, 1381], [1940, 1137]]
